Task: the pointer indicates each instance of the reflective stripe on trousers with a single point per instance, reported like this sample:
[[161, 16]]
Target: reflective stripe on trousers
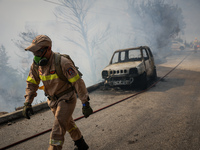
[[55, 142], [74, 128], [52, 147]]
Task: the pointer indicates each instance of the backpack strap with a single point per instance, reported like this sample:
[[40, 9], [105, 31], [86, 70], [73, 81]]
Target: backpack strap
[[35, 67], [58, 68]]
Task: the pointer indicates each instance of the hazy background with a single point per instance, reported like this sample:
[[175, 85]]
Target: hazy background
[[90, 33]]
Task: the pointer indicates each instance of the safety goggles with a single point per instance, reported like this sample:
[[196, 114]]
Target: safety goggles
[[40, 52]]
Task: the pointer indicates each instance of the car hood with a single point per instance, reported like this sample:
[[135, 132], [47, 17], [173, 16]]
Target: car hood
[[124, 65]]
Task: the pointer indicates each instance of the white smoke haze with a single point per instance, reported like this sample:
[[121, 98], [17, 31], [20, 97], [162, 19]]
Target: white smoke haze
[[108, 26]]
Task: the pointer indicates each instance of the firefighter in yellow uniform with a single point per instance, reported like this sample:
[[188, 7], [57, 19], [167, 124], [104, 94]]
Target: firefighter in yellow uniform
[[61, 94], [195, 43]]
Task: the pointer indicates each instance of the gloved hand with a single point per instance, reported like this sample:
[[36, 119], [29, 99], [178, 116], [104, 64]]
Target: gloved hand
[[87, 110], [27, 110]]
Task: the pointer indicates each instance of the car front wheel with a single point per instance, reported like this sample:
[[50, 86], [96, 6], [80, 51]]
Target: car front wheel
[[154, 76], [142, 81]]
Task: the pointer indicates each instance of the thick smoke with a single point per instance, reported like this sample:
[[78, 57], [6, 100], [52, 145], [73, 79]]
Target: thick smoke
[[191, 13], [11, 84], [94, 32], [156, 23]]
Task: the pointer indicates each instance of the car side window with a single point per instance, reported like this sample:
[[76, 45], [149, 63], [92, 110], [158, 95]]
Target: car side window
[[145, 55], [122, 56], [131, 54], [150, 52]]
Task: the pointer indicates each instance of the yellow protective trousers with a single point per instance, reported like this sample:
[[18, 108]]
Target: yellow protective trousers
[[63, 122]]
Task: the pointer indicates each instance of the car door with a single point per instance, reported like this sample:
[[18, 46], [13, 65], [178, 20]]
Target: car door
[[151, 60], [147, 62]]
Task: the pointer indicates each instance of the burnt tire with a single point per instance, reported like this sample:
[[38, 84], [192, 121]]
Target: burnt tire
[[154, 76], [142, 82]]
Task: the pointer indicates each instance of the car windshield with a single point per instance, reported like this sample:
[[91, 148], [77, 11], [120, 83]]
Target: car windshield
[[127, 56]]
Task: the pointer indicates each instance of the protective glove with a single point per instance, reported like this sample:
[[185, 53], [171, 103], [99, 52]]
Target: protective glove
[[87, 110], [27, 110]]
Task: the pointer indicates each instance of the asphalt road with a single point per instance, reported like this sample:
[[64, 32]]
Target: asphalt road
[[166, 117]]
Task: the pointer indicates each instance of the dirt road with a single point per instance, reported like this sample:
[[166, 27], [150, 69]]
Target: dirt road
[[166, 117]]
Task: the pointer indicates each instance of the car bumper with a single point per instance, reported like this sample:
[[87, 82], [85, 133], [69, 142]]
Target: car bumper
[[119, 81]]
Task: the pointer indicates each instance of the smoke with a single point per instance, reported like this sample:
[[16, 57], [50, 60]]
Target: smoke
[[191, 13], [10, 84], [96, 31], [110, 25], [156, 23]]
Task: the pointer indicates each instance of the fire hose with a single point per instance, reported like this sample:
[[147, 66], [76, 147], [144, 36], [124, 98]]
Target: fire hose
[[152, 85]]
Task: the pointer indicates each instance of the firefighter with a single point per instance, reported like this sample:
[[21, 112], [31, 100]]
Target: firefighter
[[196, 44], [61, 94]]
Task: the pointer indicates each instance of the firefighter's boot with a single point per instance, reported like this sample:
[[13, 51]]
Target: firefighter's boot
[[80, 144]]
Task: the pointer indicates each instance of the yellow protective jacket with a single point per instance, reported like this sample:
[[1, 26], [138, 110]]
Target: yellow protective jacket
[[196, 42], [52, 84]]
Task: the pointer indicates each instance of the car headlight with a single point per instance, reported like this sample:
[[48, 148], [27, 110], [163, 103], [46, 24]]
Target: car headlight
[[104, 74], [133, 71]]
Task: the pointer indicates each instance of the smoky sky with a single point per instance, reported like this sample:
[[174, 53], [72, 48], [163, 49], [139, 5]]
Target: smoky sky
[[39, 15], [191, 12]]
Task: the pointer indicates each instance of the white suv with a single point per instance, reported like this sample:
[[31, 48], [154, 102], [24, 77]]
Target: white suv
[[177, 45]]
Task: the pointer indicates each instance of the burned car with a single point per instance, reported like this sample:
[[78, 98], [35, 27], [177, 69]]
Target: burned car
[[131, 66]]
